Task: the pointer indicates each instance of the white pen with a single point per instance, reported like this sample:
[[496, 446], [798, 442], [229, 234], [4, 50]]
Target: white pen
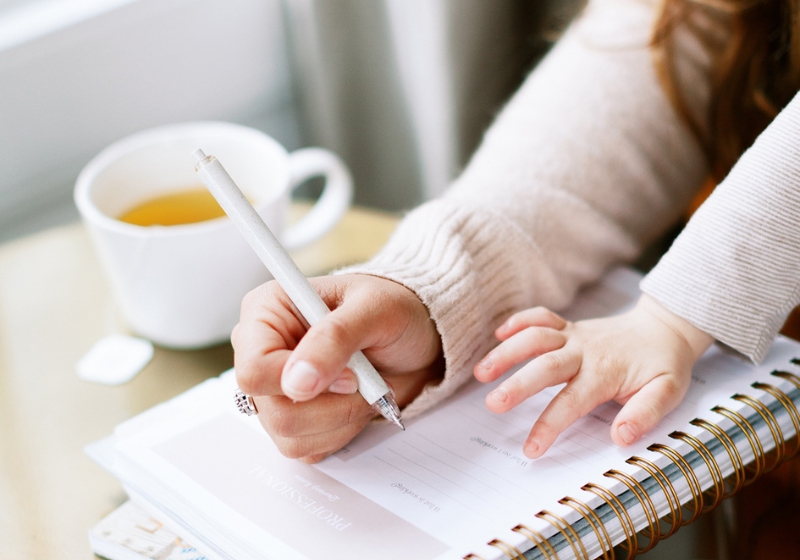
[[370, 384]]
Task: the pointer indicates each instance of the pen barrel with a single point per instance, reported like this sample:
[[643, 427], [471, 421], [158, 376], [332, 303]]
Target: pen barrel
[[370, 383], [214, 176], [262, 240]]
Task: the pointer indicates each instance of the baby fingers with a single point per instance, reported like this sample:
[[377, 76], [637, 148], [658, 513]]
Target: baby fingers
[[524, 345], [533, 317], [547, 370], [577, 399], [647, 407]]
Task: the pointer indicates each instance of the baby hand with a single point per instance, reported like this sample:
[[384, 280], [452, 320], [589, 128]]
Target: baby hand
[[642, 359]]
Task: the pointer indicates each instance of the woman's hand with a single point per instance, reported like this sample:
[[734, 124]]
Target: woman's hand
[[642, 359], [305, 395]]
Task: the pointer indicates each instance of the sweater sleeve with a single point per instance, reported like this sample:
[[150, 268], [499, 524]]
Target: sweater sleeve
[[586, 164], [734, 271]]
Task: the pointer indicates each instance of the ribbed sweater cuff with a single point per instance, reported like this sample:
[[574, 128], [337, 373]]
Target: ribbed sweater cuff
[[437, 252]]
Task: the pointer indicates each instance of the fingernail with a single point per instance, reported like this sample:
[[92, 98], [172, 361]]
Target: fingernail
[[344, 386], [301, 379], [499, 395], [485, 364], [531, 449], [626, 434]]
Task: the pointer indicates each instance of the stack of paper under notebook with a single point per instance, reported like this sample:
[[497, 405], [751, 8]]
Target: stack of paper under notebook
[[130, 533], [455, 484]]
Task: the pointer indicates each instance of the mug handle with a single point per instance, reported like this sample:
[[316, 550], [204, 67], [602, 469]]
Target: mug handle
[[332, 203]]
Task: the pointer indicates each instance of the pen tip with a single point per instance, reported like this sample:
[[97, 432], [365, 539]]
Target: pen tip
[[388, 408]]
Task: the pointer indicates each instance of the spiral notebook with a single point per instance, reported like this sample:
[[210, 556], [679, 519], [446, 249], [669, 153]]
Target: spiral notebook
[[455, 484]]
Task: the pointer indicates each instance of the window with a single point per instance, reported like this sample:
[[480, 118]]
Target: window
[[76, 75]]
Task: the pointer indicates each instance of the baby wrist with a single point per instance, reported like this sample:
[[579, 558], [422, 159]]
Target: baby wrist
[[697, 339]]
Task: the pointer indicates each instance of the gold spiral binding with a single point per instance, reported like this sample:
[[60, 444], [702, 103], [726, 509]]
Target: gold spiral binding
[[790, 377], [691, 478], [570, 535], [538, 541], [595, 522], [772, 424], [739, 472], [675, 517], [752, 438], [711, 462], [510, 551], [631, 538], [790, 407], [653, 530], [793, 379]]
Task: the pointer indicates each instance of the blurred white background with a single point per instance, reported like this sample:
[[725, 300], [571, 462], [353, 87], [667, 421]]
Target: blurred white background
[[401, 89]]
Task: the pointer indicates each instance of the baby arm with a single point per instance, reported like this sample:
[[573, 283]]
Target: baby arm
[[642, 359]]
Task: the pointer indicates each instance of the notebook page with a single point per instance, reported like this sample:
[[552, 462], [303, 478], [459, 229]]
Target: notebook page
[[177, 457], [459, 471], [453, 481]]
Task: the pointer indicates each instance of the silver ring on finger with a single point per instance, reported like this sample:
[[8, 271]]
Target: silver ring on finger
[[244, 403]]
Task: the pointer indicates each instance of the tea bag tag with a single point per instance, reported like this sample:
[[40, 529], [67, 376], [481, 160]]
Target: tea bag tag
[[115, 359]]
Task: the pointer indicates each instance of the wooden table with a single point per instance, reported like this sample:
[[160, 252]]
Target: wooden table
[[54, 304]]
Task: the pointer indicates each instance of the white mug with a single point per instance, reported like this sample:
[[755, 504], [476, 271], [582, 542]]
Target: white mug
[[181, 286]]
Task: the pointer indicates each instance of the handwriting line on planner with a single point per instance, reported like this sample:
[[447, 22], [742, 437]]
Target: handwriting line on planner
[[488, 472], [486, 427], [495, 418], [527, 412], [446, 480], [465, 473], [585, 431], [574, 436], [580, 438], [430, 484]]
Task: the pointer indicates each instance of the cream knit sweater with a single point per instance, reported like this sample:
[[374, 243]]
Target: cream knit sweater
[[586, 165]]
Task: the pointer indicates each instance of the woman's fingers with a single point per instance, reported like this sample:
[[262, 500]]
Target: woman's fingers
[[306, 396], [315, 447], [260, 375], [547, 370], [647, 407], [320, 358], [525, 344], [391, 325], [267, 331], [302, 429]]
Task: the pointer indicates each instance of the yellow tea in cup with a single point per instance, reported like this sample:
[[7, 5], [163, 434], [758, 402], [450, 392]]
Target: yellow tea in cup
[[194, 204]]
